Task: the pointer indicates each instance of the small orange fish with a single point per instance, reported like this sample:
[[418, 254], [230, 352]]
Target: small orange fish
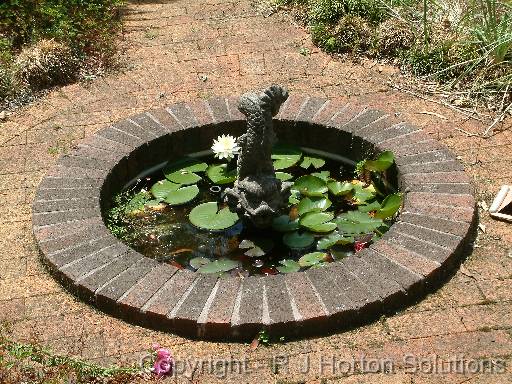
[[294, 213], [181, 250]]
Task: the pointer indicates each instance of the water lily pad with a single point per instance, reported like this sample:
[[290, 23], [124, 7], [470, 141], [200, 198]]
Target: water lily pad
[[310, 185], [381, 163], [288, 266], [362, 194], [355, 222], [294, 197], [218, 266], [309, 161], [220, 174], [324, 175], [340, 255], [370, 207], [339, 188], [389, 206], [283, 176], [298, 240], [318, 221], [312, 258], [285, 156], [184, 171], [182, 195], [284, 224], [208, 216], [162, 188], [256, 247], [198, 262], [313, 204], [333, 239]]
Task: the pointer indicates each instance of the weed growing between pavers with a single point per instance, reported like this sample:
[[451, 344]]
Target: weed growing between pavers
[[31, 363]]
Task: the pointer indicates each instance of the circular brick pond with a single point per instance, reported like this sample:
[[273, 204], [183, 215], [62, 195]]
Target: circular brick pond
[[428, 239]]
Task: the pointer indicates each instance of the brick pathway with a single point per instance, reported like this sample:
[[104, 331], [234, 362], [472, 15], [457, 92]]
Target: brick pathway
[[187, 50]]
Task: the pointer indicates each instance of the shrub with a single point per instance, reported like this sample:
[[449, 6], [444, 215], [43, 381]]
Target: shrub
[[393, 36], [44, 64], [52, 37], [352, 33], [330, 11], [5, 82]]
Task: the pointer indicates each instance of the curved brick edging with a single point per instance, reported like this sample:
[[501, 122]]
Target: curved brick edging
[[410, 260]]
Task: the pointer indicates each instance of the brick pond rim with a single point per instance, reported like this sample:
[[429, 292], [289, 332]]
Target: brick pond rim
[[427, 241]]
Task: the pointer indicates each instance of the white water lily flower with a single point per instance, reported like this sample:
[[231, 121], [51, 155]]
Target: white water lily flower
[[225, 147]]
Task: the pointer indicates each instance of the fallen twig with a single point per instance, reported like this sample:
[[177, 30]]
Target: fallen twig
[[487, 132], [467, 113]]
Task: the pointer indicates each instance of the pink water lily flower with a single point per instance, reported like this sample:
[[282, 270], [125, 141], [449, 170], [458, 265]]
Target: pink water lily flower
[[164, 361]]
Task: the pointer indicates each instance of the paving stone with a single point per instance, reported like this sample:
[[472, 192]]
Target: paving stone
[[144, 121], [219, 109], [147, 286], [186, 315], [307, 302], [217, 319], [248, 315], [331, 294], [164, 300], [108, 295], [99, 278], [78, 251], [277, 301], [94, 260]]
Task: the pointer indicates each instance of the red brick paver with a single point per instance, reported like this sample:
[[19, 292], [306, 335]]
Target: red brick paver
[[183, 50]]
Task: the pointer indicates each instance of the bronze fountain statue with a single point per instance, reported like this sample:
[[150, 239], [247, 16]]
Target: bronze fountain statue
[[257, 194]]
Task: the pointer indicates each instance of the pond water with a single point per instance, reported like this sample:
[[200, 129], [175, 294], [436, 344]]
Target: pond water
[[165, 233]]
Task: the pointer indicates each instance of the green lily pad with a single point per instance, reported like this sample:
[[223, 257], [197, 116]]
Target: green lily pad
[[257, 247], [220, 174], [312, 258], [310, 185], [340, 255], [324, 175], [333, 239], [288, 266], [309, 161], [294, 197], [370, 207], [283, 176], [184, 171], [284, 224], [162, 188], [355, 222], [198, 262], [362, 194], [318, 221], [298, 240], [313, 204], [218, 266], [389, 206], [285, 156], [338, 188], [381, 163], [182, 195], [208, 216]]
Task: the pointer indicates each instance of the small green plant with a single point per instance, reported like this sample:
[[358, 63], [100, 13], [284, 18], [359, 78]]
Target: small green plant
[[30, 363], [263, 337]]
